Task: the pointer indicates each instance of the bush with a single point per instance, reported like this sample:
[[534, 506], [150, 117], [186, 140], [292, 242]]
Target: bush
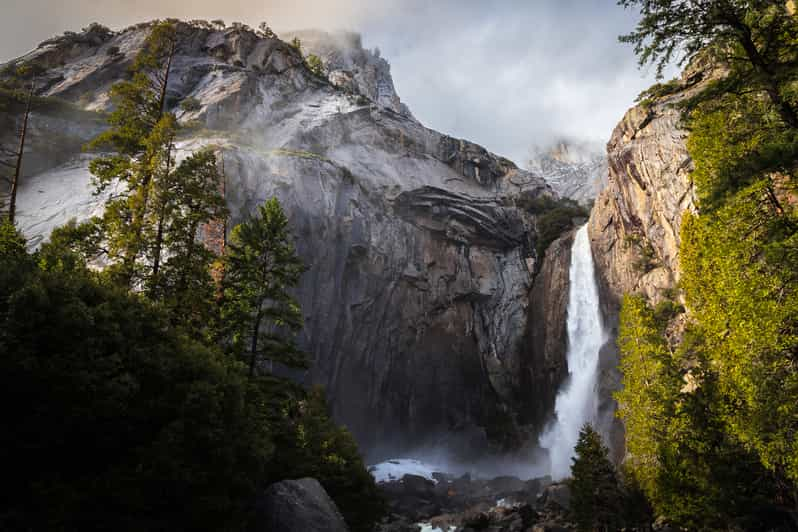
[[554, 217], [316, 65]]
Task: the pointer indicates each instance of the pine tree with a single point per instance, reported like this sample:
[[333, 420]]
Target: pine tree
[[261, 266], [756, 41], [186, 199], [596, 500], [141, 135], [20, 89]]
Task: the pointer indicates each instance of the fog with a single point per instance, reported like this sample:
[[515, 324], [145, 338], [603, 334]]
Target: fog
[[507, 75]]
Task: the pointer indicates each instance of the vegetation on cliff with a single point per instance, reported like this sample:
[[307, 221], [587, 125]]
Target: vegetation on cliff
[[139, 396], [710, 398]]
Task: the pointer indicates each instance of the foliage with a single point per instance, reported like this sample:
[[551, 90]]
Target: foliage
[[310, 445], [260, 267], [554, 217], [112, 420], [296, 43], [190, 105], [659, 90], [141, 137], [736, 141], [265, 31], [694, 473], [711, 416], [757, 42], [118, 420], [316, 65], [596, 500]]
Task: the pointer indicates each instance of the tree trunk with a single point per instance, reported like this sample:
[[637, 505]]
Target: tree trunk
[[167, 69], [785, 110], [12, 203], [137, 220], [254, 351], [156, 261]]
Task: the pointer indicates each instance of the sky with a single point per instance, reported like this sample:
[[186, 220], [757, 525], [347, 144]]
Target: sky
[[508, 74]]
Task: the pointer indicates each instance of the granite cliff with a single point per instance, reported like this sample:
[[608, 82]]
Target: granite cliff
[[423, 287], [636, 221]]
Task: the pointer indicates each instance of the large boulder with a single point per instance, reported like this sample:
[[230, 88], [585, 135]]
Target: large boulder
[[297, 506]]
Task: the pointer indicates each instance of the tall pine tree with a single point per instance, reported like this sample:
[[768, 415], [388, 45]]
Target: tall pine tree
[[141, 136], [261, 266]]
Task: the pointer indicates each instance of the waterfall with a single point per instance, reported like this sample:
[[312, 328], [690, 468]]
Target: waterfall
[[577, 401]]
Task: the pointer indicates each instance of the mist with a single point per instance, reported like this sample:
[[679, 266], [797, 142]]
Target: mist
[[507, 75]]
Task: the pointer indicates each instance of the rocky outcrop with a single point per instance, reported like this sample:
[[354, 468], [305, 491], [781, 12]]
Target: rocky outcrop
[[351, 67], [297, 506], [636, 221], [420, 262], [546, 334]]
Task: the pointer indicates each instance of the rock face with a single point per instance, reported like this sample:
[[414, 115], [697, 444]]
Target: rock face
[[574, 169], [297, 506], [351, 67], [546, 333], [635, 223], [420, 264]]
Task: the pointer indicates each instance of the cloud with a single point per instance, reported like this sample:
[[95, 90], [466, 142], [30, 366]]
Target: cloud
[[505, 74]]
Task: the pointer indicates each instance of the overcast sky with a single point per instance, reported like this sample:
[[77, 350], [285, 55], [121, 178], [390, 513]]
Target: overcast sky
[[506, 74]]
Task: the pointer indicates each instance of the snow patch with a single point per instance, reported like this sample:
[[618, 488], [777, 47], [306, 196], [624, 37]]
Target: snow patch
[[396, 469], [427, 527]]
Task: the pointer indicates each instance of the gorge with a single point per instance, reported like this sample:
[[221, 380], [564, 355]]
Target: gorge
[[431, 314], [244, 286]]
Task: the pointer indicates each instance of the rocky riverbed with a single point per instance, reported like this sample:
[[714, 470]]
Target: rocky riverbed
[[448, 503]]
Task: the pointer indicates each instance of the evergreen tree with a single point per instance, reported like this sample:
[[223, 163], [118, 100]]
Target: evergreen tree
[[315, 64], [757, 41], [141, 135], [186, 200], [261, 266], [596, 500], [17, 93]]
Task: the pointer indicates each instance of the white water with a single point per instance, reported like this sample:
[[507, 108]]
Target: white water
[[577, 401]]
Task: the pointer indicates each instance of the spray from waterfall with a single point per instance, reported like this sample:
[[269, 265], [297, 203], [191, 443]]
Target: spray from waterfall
[[577, 401]]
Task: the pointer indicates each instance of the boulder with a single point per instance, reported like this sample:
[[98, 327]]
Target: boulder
[[557, 496], [418, 486], [297, 506], [506, 484]]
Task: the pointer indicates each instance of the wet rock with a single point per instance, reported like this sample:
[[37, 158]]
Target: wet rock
[[549, 527], [297, 506], [557, 496], [506, 484]]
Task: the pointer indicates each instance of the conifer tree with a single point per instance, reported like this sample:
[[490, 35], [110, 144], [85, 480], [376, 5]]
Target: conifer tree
[[141, 137], [756, 41], [596, 500], [261, 266], [20, 89], [187, 199]]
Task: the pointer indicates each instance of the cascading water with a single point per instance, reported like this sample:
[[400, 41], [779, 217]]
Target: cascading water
[[577, 401]]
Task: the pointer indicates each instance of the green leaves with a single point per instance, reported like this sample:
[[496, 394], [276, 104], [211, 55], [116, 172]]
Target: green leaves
[[261, 266], [596, 498]]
